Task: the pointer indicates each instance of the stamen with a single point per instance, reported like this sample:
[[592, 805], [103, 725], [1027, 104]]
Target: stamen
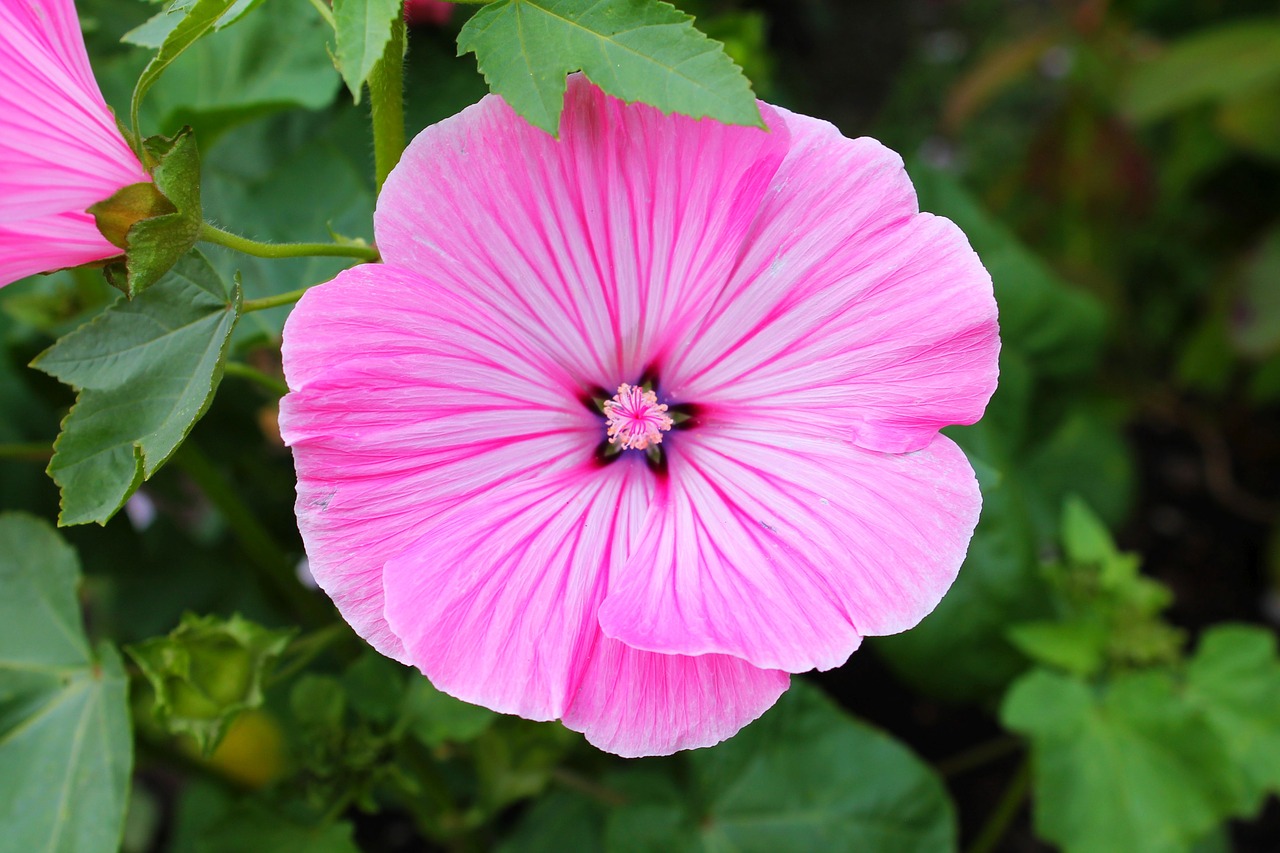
[[636, 418]]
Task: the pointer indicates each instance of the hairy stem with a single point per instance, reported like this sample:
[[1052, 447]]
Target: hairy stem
[[386, 99], [213, 234]]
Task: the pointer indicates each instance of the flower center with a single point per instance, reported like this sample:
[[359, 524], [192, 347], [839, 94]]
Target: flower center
[[636, 418]]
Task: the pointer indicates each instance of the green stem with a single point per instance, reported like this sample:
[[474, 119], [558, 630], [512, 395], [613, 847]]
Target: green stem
[[306, 648], [325, 12], [244, 371], [979, 755], [33, 452], [213, 234], [386, 100], [1005, 811], [272, 301], [273, 565]]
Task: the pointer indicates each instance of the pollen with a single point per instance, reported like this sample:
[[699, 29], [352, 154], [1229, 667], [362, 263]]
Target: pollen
[[636, 418]]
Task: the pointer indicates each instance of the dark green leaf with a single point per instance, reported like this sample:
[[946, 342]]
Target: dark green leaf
[[636, 50], [65, 742], [1130, 767], [790, 782], [556, 823], [146, 371], [253, 828], [363, 31], [1235, 679], [206, 671]]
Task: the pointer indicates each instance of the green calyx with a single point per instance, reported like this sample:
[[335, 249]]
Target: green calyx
[[158, 222]]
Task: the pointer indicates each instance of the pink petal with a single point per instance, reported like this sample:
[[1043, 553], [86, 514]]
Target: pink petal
[[784, 549], [49, 243], [602, 246], [849, 310], [60, 149], [496, 605], [405, 400]]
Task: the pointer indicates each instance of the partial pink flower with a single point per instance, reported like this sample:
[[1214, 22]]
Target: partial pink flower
[[60, 149], [420, 12], [631, 425]]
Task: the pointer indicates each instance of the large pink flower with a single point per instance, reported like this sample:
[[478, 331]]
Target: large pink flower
[[60, 149], [805, 328]]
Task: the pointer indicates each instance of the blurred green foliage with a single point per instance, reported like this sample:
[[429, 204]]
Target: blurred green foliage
[[1115, 165]]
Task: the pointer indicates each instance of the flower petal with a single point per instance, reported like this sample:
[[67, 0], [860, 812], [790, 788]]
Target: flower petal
[[850, 311], [60, 149], [496, 605], [785, 550], [49, 243], [405, 399], [601, 245]]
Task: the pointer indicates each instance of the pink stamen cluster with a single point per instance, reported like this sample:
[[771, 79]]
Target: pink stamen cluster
[[636, 418]]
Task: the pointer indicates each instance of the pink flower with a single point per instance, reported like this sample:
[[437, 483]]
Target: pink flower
[[418, 12], [60, 149], [782, 492]]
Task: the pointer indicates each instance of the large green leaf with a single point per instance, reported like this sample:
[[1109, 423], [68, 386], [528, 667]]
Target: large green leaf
[[247, 72], [1235, 679], [198, 20], [363, 31], [636, 50], [146, 370], [1131, 766], [804, 777], [65, 744], [1214, 64]]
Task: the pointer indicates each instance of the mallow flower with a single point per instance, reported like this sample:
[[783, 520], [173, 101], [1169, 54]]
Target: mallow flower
[[633, 424], [60, 149]]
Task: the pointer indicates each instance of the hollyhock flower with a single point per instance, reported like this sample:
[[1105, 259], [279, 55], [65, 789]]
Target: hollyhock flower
[[60, 149], [630, 425], [419, 12]]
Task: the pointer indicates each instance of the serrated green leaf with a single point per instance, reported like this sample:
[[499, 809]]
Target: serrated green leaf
[[789, 782], [363, 31], [206, 671], [1079, 646], [1212, 64], [636, 50], [1131, 767], [146, 370], [1234, 679], [65, 741]]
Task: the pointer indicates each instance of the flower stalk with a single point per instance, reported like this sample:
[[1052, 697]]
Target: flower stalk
[[213, 234], [386, 100]]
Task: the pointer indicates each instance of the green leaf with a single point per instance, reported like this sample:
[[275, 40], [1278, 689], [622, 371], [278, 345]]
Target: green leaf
[[200, 19], [1213, 64], [258, 73], [636, 50], [159, 27], [65, 741], [1132, 766], [1077, 646], [254, 828], [558, 822], [206, 671], [165, 224], [146, 370], [789, 782], [363, 30], [1234, 679], [436, 718]]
